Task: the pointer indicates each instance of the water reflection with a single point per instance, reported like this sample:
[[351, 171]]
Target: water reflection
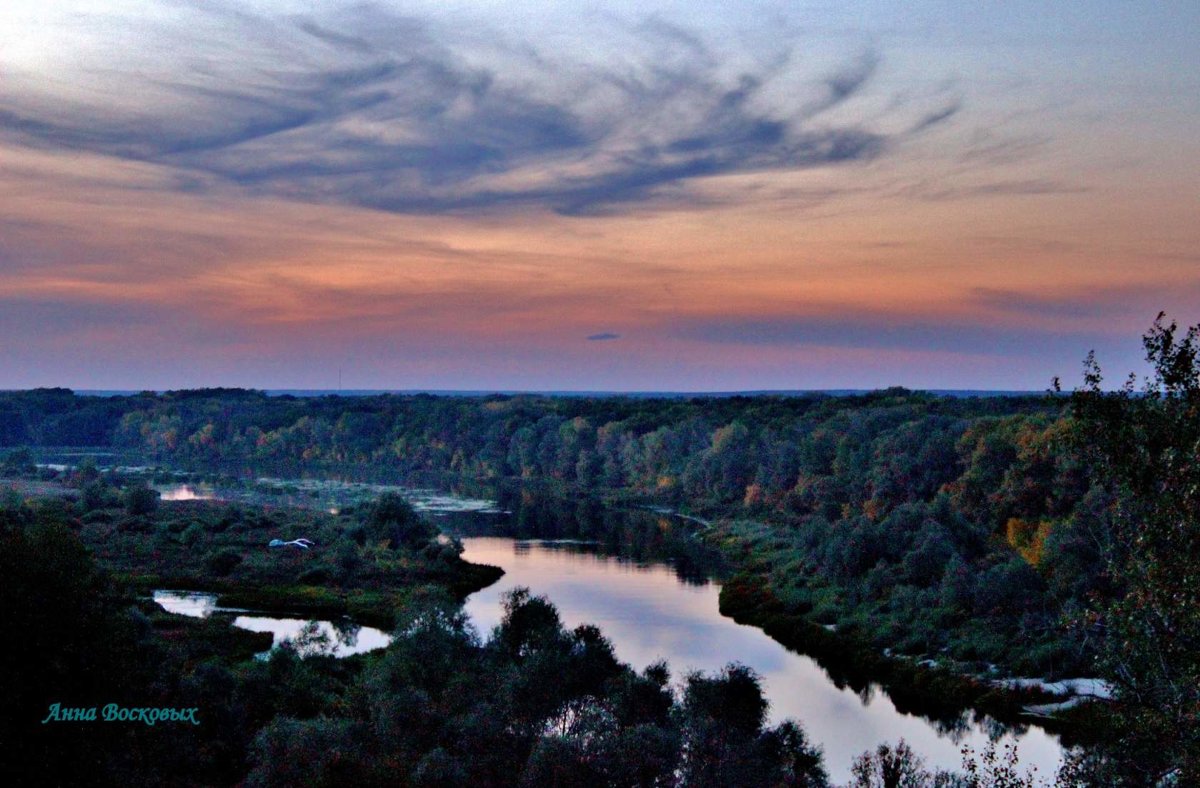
[[649, 613], [652, 587], [186, 492], [588, 526], [336, 638], [331, 495], [317, 637]]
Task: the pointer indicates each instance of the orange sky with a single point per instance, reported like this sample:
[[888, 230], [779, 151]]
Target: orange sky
[[837, 221]]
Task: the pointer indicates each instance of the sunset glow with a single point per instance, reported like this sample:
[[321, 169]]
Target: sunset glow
[[495, 196]]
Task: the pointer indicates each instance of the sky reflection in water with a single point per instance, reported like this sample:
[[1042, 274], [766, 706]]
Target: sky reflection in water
[[648, 614]]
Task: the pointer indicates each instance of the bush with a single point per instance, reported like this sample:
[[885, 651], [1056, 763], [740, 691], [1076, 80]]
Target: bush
[[141, 500], [393, 519], [192, 534], [96, 495], [224, 562], [316, 576]]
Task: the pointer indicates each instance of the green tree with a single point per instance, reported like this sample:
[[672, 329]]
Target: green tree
[[315, 752], [18, 462], [725, 743], [394, 519], [890, 767], [76, 647], [140, 499], [1145, 444]]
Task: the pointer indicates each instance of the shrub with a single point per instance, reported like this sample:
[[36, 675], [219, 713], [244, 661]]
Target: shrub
[[192, 534], [224, 562]]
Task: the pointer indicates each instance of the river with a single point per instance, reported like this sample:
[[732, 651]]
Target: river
[[649, 613], [652, 588]]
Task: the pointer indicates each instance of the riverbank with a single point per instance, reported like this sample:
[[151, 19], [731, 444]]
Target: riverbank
[[929, 684], [931, 691], [650, 613], [536, 703], [355, 567]]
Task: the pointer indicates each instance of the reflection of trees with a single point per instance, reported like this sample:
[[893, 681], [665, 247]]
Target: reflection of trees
[[956, 728], [532, 512], [311, 641], [346, 632], [848, 669], [996, 729], [634, 535]]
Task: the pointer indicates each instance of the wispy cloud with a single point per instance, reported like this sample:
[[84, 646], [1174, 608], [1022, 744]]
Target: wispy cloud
[[1131, 301], [881, 332], [368, 108], [603, 337]]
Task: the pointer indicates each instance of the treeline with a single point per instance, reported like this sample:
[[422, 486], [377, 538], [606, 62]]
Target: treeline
[[758, 450], [963, 529]]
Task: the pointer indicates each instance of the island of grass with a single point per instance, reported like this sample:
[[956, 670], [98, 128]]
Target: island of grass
[[365, 564]]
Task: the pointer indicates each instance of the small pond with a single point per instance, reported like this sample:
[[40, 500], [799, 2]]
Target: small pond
[[337, 638]]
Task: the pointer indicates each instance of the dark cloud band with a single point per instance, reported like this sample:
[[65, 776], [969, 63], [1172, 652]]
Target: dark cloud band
[[372, 109]]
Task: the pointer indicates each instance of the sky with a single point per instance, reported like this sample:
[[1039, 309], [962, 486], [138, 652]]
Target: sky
[[593, 196]]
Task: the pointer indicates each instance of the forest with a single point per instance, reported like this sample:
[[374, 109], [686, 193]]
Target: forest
[[1039, 536], [958, 527]]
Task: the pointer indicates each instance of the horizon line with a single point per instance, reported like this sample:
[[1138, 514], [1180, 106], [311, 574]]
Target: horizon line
[[577, 393]]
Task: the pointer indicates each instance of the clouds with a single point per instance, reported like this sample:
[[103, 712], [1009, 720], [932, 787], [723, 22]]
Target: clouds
[[886, 333], [409, 115], [738, 192], [1127, 305]]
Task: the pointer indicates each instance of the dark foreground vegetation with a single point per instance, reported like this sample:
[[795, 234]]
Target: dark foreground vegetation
[[534, 705], [1039, 536]]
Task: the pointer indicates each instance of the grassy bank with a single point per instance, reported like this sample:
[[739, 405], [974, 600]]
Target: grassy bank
[[369, 564]]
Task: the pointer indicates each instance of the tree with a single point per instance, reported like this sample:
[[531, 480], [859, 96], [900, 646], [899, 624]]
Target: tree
[[726, 744], [890, 767], [316, 752], [18, 462], [140, 499], [394, 519], [77, 647], [1145, 445]]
